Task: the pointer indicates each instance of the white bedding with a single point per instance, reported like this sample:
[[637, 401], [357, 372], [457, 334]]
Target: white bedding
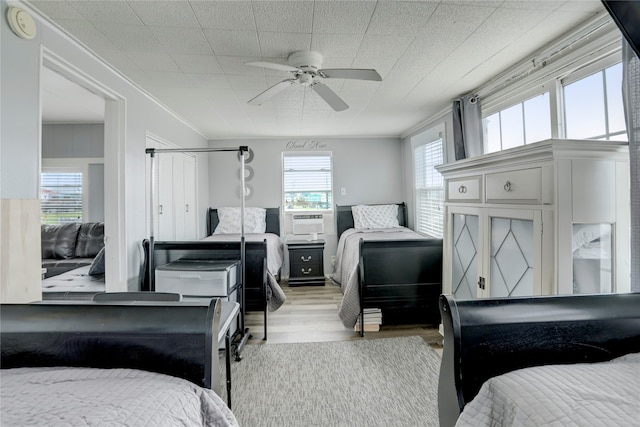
[[596, 394], [347, 259], [275, 258], [106, 397]]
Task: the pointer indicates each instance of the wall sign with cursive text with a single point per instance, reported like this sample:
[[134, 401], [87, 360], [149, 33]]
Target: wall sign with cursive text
[[310, 144]]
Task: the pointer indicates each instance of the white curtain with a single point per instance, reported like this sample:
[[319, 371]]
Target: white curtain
[[631, 94]]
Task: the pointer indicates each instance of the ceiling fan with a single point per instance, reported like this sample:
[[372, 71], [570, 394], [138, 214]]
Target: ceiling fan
[[305, 67]]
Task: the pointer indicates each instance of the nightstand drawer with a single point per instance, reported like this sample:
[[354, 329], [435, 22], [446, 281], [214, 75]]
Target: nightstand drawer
[[300, 257], [306, 263], [300, 271]]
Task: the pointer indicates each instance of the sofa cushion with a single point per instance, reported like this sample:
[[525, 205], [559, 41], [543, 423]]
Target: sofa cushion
[[90, 239], [59, 241], [58, 266]]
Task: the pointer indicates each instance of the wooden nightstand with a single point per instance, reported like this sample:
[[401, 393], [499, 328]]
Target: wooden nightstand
[[306, 263]]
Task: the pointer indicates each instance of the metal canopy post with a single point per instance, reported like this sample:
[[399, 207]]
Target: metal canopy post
[[151, 268]]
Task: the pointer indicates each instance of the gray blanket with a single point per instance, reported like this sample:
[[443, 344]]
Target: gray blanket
[[106, 397], [596, 394]]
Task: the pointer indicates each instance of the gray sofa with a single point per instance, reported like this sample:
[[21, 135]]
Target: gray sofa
[[69, 246]]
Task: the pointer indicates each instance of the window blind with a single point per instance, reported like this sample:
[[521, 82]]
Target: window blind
[[429, 186], [61, 197], [307, 181]]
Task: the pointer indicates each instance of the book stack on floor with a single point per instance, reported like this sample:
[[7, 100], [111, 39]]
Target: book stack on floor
[[372, 320]]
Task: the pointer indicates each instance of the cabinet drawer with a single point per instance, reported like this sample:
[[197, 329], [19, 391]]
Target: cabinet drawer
[[519, 186], [465, 189]]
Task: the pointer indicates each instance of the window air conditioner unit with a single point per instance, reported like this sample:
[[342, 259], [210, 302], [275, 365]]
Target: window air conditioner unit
[[308, 224]]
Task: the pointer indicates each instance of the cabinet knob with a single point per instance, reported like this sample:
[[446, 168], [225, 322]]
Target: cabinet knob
[[307, 259], [159, 209], [307, 271], [507, 186], [462, 189]]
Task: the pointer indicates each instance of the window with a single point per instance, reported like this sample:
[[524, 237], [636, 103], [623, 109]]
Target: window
[[307, 182], [61, 197], [429, 186], [593, 106], [523, 123]]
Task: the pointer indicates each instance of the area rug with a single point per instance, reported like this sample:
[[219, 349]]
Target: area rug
[[376, 382]]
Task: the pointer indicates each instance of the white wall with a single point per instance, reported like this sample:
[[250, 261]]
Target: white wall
[[72, 140], [20, 62], [369, 169]]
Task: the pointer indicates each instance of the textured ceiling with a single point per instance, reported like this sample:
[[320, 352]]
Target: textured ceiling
[[191, 55]]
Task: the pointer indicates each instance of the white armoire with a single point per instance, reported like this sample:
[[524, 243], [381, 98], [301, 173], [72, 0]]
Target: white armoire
[[546, 218]]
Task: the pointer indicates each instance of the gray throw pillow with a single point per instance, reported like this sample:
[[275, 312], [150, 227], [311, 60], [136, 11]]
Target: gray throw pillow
[[97, 266]]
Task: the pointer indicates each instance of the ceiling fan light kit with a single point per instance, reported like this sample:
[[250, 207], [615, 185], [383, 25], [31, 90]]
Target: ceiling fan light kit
[[306, 68]]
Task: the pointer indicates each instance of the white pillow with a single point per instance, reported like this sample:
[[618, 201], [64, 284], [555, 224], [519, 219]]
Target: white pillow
[[375, 216], [255, 220]]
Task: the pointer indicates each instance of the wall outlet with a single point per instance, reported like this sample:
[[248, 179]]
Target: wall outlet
[[333, 260]]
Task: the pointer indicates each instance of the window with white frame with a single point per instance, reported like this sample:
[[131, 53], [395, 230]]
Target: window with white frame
[[61, 196], [307, 181], [593, 105], [523, 123], [429, 185]]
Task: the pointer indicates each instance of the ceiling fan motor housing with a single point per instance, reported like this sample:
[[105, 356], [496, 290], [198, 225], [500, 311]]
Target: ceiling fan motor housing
[[306, 60]]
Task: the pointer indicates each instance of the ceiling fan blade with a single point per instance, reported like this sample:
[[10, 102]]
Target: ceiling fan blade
[[350, 73], [273, 66], [330, 97], [273, 90]]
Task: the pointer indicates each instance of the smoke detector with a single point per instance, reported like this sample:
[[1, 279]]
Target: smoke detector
[[21, 23]]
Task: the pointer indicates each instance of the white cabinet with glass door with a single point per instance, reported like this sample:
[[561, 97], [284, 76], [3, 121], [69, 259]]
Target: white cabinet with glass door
[[493, 252], [546, 218]]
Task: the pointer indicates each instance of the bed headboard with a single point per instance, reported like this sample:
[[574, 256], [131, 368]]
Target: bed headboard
[[173, 338], [272, 218], [484, 338], [344, 217]]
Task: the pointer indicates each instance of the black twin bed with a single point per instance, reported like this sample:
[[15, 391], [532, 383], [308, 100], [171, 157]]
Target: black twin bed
[[549, 360], [390, 269], [86, 363]]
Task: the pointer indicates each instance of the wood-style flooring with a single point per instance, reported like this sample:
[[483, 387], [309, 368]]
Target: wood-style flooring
[[310, 314]]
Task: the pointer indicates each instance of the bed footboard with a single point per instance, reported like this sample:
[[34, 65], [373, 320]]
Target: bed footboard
[[489, 337], [400, 274], [177, 339]]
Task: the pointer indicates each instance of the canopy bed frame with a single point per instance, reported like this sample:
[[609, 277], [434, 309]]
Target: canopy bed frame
[[151, 264]]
